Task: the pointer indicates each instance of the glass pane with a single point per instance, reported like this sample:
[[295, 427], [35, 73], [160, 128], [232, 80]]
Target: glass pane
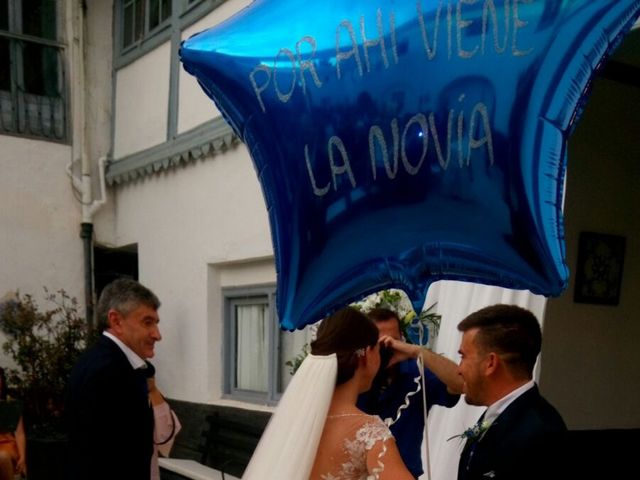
[[294, 346], [5, 65], [139, 20], [133, 22], [4, 14], [40, 72], [159, 11], [166, 10], [154, 14], [252, 363], [39, 18], [127, 30]]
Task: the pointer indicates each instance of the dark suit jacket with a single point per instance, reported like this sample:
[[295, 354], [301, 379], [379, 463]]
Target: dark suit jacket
[[108, 416], [522, 443]]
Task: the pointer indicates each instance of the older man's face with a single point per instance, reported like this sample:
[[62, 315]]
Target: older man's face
[[138, 329]]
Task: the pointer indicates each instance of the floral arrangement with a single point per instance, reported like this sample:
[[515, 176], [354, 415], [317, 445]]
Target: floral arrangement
[[411, 323], [475, 433], [414, 327]]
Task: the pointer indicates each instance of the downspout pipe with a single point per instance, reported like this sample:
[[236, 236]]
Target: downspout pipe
[[75, 9], [89, 208], [86, 234]]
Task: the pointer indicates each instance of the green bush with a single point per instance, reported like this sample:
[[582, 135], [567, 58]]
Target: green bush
[[44, 346]]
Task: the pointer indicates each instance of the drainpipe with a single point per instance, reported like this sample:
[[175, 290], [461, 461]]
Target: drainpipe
[[75, 21], [89, 208], [86, 233]]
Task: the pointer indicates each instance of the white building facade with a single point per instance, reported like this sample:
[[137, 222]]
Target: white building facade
[[184, 194], [184, 212], [40, 244]]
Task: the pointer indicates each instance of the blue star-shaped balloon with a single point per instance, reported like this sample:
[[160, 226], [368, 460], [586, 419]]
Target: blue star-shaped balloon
[[402, 142]]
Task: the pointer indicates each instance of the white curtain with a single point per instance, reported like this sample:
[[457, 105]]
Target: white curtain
[[251, 351], [455, 301]]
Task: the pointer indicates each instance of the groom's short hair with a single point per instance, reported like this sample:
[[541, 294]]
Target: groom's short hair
[[510, 331]]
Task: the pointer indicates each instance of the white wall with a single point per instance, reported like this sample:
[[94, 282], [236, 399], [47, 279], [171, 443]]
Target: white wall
[[192, 226], [40, 244], [142, 102], [198, 228], [590, 357], [195, 107]]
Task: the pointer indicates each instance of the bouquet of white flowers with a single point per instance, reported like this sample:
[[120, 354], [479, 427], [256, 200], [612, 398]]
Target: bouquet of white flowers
[[415, 327]]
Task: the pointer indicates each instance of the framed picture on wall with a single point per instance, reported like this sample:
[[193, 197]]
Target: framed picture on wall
[[599, 269]]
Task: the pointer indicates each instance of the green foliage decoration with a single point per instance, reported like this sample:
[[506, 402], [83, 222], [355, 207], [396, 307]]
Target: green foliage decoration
[[44, 345], [296, 361]]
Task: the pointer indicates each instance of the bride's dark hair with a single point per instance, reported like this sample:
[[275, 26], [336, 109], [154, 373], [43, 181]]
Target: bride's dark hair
[[343, 333]]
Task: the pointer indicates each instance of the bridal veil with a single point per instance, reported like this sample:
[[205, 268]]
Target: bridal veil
[[287, 449]]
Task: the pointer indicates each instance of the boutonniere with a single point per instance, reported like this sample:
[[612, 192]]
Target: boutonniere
[[475, 433]]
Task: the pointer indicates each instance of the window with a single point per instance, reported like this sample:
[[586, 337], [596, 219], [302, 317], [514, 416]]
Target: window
[[141, 18], [257, 351], [143, 25], [31, 70]]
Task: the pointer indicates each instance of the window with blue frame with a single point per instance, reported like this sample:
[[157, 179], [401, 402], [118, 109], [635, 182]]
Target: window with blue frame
[[259, 357], [32, 101]]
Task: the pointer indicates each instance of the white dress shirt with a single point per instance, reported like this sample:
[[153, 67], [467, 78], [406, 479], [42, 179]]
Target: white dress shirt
[[498, 407], [135, 361]]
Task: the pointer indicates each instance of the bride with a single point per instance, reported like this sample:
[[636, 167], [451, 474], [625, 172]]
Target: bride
[[317, 432]]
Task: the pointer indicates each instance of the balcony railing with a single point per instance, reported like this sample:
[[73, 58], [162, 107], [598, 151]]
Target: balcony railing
[[33, 115], [31, 89]]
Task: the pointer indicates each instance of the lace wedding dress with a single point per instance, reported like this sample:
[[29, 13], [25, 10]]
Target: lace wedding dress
[[301, 431], [349, 446]]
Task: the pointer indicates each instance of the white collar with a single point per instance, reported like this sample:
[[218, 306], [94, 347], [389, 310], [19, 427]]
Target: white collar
[[135, 361], [498, 407]]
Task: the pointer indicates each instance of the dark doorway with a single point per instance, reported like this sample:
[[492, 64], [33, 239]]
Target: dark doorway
[[112, 263]]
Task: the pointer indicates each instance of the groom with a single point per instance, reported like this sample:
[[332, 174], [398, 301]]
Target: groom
[[499, 348]]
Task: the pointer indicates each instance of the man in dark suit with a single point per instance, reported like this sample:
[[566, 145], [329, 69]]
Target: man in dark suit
[[519, 435], [109, 417]]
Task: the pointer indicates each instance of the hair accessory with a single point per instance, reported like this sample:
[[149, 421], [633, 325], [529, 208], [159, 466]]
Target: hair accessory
[[360, 352]]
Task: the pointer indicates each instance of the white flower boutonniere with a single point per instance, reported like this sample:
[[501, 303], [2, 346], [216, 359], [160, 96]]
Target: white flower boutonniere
[[475, 433]]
